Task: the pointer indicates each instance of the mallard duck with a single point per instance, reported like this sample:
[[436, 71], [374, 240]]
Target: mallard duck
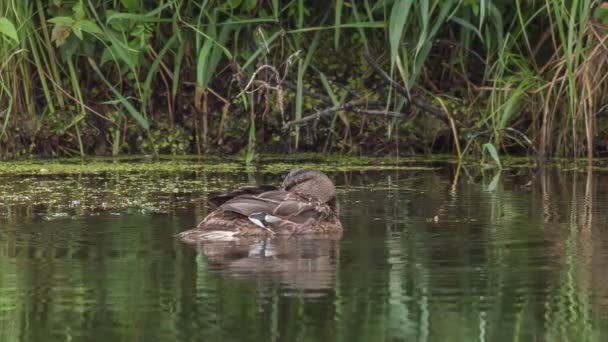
[[304, 204]]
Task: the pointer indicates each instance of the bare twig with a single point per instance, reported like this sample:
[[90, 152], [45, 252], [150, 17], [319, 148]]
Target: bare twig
[[314, 116], [261, 84], [381, 112], [351, 107]]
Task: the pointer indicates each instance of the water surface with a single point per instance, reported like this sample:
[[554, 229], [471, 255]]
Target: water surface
[[441, 254]]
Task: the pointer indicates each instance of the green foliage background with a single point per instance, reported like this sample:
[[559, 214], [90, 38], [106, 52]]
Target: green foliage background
[[134, 76]]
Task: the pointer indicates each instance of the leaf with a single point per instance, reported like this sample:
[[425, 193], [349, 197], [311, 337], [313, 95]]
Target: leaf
[[89, 26], [77, 29], [482, 14], [339, 4], [202, 68], [69, 21], [493, 153], [8, 29], [467, 25], [137, 116], [74, 121], [330, 92], [60, 34], [601, 13], [261, 49], [233, 3], [334, 98], [210, 54], [120, 50], [106, 56], [61, 30], [249, 5], [275, 9], [131, 5], [398, 18], [69, 48], [78, 10]]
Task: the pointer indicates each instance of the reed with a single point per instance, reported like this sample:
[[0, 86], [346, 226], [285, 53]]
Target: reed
[[86, 77]]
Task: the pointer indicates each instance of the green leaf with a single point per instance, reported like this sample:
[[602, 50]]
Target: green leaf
[[467, 25], [89, 26], [8, 29], [330, 92], [77, 30], [69, 48], [249, 5], [106, 56], [68, 21], [137, 116], [398, 18], [210, 55], [275, 9], [131, 5], [78, 10], [202, 68], [74, 121], [601, 13], [493, 153], [233, 3], [339, 4]]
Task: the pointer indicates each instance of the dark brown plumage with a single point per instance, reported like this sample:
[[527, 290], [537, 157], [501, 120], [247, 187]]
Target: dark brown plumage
[[305, 204]]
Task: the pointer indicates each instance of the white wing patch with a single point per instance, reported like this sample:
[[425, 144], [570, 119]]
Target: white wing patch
[[272, 219], [257, 222]]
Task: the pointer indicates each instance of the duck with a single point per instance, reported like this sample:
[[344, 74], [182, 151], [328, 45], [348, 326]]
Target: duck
[[304, 204]]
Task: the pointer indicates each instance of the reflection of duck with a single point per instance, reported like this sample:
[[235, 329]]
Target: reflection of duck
[[305, 204], [303, 264]]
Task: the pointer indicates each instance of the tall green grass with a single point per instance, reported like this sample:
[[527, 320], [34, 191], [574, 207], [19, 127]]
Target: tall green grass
[[168, 76]]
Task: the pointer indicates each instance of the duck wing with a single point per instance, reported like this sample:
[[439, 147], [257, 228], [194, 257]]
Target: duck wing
[[248, 204], [282, 204], [217, 200], [293, 207]]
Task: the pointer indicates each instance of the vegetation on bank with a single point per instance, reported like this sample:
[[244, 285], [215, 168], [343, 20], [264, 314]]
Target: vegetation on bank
[[89, 77]]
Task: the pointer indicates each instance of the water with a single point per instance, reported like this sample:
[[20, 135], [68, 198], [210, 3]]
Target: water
[[443, 255]]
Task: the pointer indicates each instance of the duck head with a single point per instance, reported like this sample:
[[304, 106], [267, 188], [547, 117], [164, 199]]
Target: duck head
[[313, 183]]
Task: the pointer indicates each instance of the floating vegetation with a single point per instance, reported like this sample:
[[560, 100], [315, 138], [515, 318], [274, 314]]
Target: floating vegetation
[[64, 188]]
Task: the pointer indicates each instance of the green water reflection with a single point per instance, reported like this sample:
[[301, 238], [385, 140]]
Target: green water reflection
[[440, 255]]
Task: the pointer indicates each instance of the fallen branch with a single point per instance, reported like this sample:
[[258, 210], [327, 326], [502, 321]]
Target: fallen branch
[[382, 112], [314, 116], [404, 91], [349, 107]]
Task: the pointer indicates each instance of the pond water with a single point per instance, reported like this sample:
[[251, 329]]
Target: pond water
[[437, 253]]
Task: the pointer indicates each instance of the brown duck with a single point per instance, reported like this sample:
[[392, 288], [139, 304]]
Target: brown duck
[[304, 204]]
